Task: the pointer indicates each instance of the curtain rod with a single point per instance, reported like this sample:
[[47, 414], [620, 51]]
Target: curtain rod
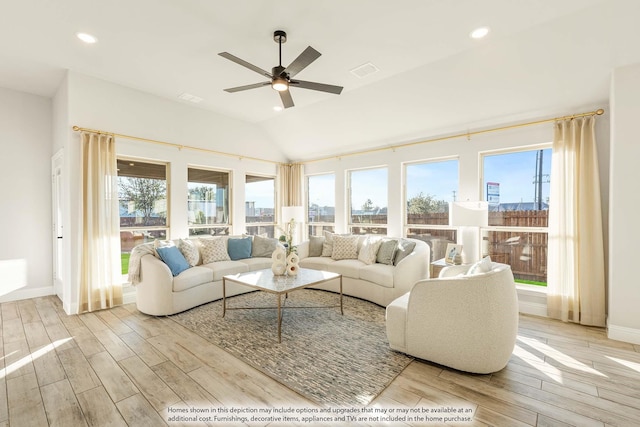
[[171, 144], [467, 135]]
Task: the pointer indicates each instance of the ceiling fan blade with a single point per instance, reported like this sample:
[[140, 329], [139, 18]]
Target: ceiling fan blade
[[302, 61], [245, 64], [247, 87], [316, 86], [285, 96]]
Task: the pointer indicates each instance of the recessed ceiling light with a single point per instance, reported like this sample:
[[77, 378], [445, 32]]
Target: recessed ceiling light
[[479, 33], [277, 108], [87, 38]]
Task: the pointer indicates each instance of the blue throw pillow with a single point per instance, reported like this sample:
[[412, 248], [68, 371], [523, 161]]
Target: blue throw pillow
[[239, 248], [174, 259]]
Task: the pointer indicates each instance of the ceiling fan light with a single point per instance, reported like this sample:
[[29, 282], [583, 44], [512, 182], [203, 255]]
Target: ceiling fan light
[[280, 84]]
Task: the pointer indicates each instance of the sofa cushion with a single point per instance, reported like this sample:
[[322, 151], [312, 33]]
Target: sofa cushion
[[345, 247], [405, 247], [387, 251], [222, 268], [192, 277], [315, 245], [257, 263], [317, 263], [214, 250], [369, 249], [347, 267], [239, 248], [263, 246], [380, 274], [174, 259], [190, 251], [327, 245]]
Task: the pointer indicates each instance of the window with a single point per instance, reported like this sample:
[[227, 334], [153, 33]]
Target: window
[[368, 201], [516, 185], [429, 187], [142, 194], [260, 201], [208, 201], [321, 209]]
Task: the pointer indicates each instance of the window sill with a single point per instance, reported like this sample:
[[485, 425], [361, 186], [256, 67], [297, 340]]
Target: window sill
[[531, 290]]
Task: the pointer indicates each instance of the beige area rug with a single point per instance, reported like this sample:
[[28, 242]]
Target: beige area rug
[[331, 359]]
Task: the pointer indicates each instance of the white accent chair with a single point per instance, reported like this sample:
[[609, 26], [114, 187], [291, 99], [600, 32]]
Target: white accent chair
[[466, 322]]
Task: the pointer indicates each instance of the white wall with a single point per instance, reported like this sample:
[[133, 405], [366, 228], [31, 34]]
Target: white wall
[[624, 288], [25, 195], [97, 104]]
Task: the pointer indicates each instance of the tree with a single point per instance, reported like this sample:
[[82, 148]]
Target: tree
[[422, 204], [367, 206], [144, 193]]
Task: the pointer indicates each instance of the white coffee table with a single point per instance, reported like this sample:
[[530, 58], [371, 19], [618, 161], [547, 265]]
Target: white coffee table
[[266, 281]]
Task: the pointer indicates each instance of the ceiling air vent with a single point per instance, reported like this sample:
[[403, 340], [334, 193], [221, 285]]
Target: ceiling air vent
[[364, 70]]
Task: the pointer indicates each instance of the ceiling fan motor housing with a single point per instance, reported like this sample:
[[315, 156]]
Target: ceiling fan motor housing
[[279, 36]]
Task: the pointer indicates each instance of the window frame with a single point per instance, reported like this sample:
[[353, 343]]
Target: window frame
[[216, 228], [273, 223], [322, 225], [145, 229], [406, 225], [369, 226], [510, 229]]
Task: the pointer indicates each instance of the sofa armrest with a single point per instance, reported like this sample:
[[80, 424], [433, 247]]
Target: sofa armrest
[[154, 292], [412, 268]]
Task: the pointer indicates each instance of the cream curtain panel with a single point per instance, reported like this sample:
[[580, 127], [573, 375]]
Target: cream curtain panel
[[575, 276], [292, 184], [100, 276]]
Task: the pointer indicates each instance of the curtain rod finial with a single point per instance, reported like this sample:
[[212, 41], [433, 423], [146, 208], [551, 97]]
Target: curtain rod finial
[[600, 112], [76, 128]]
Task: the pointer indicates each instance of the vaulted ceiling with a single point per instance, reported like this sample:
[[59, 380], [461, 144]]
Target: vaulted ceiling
[[541, 57]]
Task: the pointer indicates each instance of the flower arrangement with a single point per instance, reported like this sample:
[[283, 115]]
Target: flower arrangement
[[287, 236]]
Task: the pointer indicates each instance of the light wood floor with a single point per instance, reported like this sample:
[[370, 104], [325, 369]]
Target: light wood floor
[[120, 367]]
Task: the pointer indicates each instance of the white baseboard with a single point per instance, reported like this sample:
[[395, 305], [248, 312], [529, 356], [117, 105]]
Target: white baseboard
[[622, 333], [21, 294], [532, 308]]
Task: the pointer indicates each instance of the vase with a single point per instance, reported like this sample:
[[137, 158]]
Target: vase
[[292, 264], [279, 261]]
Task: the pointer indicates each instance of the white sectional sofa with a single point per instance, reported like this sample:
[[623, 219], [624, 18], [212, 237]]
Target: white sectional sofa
[[159, 292], [376, 282]]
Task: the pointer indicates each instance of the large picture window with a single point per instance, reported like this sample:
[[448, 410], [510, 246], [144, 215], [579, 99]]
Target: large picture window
[[516, 185], [429, 188], [368, 201], [142, 194], [321, 209], [260, 201], [208, 201]]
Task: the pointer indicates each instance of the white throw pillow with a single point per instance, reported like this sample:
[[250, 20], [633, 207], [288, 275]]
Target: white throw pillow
[[190, 251], [214, 250], [327, 245], [369, 250], [480, 267], [345, 247]]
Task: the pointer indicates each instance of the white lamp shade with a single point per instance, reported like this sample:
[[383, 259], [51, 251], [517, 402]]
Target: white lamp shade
[[293, 212], [469, 214]]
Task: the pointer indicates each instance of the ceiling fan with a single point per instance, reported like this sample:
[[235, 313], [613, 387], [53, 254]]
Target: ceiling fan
[[281, 77]]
